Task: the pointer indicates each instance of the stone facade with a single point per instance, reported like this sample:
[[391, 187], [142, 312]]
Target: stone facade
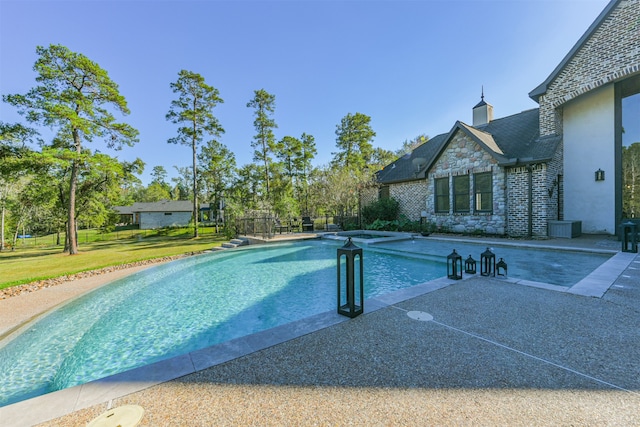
[[465, 156], [594, 64]]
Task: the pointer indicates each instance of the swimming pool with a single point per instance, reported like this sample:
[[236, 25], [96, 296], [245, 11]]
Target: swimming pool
[[186, 305], [197, 302]]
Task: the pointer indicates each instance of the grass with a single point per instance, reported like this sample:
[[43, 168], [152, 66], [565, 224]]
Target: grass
[[30, 262]]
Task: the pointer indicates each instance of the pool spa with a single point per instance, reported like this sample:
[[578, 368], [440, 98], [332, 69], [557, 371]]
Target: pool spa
[[197, 302]]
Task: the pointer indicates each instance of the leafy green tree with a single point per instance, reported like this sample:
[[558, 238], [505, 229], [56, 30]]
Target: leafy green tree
[[411, 144], [218, 166], [303, 166], [14, 164], [381, 158], [193, 111], [631, 181], [159, 174], [264, 141], [354, 137], [75, 96], [182, 185]]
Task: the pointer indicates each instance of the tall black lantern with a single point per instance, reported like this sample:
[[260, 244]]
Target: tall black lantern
[[454, 266], [629, 237], [501, 268], [470, 265], [347, 297], [488, 263]]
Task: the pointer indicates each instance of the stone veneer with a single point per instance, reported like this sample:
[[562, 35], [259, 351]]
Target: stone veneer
[[611, 53], [465, 156]]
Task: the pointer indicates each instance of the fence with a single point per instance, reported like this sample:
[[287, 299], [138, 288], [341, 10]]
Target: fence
[[267, 227]]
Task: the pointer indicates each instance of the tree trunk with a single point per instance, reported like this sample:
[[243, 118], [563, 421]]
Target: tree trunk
[[71, 215], [2, 229], [195, 193]]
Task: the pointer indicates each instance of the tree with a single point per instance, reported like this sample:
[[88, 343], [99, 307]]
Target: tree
[[264, 140], [193, 110], [13, 160], [354, 136], [75, 96], [159, 175], [218, 166], [409, 145]]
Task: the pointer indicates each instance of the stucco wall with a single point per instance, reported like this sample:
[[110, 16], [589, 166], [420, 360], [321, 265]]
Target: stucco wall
[[589, 145], [151, 220]]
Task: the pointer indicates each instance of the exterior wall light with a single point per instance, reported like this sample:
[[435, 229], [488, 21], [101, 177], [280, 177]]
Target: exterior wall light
[[347, 298], [454, 266], [599, 175]]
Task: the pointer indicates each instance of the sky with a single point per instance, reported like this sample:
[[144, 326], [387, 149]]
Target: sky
[[414, 67]]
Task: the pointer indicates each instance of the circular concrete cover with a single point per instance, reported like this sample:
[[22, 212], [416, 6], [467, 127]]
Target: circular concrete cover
[[420, 315], [122, 416]]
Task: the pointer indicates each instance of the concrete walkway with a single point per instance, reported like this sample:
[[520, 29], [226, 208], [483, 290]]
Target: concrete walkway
[[479, 351]]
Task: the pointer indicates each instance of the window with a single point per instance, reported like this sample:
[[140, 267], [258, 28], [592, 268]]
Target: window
[[461, 193], [168, 213], [483, 191], [442, 194], [383, 193]]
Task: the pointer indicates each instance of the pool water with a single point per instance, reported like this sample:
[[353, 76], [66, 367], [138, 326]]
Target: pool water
[[555, 267], [186, 305]]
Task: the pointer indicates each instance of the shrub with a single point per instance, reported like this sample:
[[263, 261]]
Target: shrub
[[386, 209]]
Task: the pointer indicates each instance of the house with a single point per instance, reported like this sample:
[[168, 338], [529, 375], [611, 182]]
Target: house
[[562, 161], [150, 215]]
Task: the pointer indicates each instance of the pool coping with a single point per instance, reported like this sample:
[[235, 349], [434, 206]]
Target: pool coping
[[59, 403]]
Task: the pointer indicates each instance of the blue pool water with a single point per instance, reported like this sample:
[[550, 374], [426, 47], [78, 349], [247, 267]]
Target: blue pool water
[[187, 305], [197, 302]]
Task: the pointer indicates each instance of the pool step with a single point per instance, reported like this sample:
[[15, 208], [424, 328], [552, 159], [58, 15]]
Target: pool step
[[234, 243]]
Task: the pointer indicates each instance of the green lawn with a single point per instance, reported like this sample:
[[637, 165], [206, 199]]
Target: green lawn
[[36, 262]]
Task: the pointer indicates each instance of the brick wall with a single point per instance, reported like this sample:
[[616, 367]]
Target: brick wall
[[611, 54], [412, 197], [543, 205]]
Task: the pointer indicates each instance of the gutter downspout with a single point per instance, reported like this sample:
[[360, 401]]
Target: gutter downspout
[[530, 210]]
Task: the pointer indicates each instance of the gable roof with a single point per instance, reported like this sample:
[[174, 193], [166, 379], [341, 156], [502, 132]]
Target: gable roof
[[542, 88], [511, 140]]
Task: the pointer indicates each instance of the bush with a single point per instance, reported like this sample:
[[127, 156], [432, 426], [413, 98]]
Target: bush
[[386, 209]]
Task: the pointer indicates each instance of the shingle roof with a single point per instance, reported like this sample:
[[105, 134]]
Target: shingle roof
[[510, 140]]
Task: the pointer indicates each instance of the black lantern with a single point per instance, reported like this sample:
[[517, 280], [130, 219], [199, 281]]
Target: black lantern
[[599, 175], [454, 266], [501, 268], [470, 265], [629, 237], [488, 263], [347, 298]]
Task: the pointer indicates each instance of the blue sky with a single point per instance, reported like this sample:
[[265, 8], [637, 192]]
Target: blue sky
[[414, 66]]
